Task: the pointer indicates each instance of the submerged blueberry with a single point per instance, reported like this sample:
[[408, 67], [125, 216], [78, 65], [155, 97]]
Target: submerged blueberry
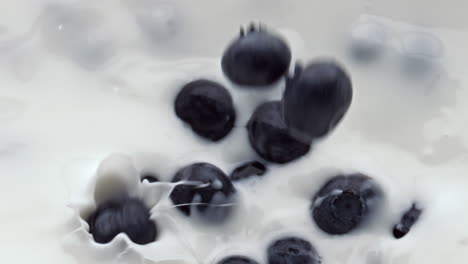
[[149, 177], [122, 215], [256, 58], [270, 137], [248, 169], [316, 98], [292, 250], [368, 41], [408, 219], [344, 202], [205, 188], [237, 260], [207, 107]]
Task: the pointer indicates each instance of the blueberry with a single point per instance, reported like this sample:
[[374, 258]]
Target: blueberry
[[149, 177], [316, 98], [205, 188], [122, 215], [344, 202], [207, 107], [256, 58], [237, 260], [292, 250], [368, 41], [270, 137], [248, 169], [421, 54], [408, 219]]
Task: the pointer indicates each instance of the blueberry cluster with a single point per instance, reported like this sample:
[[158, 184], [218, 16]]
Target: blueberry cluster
[[315, 100]]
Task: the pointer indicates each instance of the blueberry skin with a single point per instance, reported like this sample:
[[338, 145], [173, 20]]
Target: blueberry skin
[[237, 260], [270, 138], [122, 215], [292, 250], [209, 184], [207, 107], [316, 98], [409, 218], [344, 202], [247, 170], [256, 58]]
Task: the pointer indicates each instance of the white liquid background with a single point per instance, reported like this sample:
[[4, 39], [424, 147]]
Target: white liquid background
[[69, 99]]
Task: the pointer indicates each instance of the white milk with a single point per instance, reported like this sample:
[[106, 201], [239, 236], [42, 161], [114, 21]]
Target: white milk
[[80, 83]]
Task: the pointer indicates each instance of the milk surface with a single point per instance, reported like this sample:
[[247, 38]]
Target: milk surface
[[87, 90]]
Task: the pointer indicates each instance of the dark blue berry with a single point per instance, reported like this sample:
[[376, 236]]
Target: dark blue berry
[[207, 107], [408, 219], [316, 98], [237, 260], [205, 188], [344, 202], [292, 250], [256, 58], [122, 215], [246, 170], [149, 177], [270, 137]]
